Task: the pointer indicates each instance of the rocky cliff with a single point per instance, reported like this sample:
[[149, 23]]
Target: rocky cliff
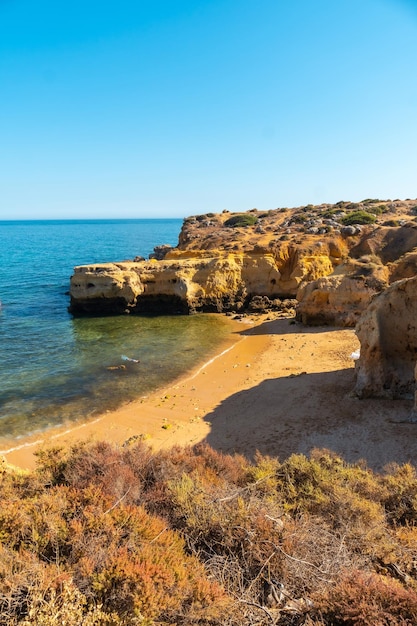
[[334, 258], [387, 331], [190, 285]]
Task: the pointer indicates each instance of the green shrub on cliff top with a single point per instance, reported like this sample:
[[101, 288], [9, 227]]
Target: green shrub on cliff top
[[358, 217], [241, 220]]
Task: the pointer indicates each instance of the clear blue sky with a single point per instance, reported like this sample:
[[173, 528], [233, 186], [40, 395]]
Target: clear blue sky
[[169, 108]]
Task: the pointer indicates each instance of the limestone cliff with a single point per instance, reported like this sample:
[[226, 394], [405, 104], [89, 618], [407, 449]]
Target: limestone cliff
[[224, 260], [336, 300], [404, 267], [387, 331], [339, 299], [183, 285]]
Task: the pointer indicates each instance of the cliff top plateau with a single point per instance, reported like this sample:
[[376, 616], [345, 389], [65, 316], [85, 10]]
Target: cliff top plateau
[[265, 230]]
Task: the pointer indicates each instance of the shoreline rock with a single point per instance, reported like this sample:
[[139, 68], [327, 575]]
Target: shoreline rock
[[317, 254], [183, 286], [387, 332]]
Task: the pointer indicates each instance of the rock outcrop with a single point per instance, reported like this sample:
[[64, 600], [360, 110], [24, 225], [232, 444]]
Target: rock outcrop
[[336, 300], [387, 332], [404, 267], [224, 260], [340, 299], [190, 285]]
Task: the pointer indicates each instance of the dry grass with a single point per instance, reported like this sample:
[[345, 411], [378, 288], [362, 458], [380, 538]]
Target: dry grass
[[101, 535]]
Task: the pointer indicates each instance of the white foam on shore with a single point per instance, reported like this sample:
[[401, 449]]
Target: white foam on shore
[[37, 442]]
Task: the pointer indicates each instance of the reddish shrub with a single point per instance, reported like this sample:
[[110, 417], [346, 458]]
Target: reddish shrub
[[368, 599]]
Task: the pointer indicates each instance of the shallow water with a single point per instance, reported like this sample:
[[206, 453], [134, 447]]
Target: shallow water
[[55, 369]]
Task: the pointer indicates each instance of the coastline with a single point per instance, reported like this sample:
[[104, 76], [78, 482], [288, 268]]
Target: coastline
[[119, 425], [274, 386]]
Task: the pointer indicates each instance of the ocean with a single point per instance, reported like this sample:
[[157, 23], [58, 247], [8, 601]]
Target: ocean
[[57, 370]]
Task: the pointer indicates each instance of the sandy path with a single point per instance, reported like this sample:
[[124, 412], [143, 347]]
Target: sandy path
[[277, 387]]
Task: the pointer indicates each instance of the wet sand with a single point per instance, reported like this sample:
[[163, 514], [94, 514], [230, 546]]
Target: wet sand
[[276, 387]]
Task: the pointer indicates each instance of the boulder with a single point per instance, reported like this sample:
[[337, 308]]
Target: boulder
[[159, 252], [336, 300], [387, 332]]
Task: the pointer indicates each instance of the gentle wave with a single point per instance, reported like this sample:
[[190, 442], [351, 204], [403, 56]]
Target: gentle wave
[[59, 370]]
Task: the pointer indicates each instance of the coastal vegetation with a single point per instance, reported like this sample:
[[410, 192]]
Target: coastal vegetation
[[241, 220], [99, 534], [358, 217]]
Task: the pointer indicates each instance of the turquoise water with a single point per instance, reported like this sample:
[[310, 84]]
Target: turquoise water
[[55, 369]]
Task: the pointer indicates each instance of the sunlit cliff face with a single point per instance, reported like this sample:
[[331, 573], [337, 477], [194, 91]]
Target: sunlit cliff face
[[224, 260]]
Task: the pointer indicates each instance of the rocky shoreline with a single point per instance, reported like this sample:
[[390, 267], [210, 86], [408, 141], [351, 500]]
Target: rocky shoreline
[[327, 260], [347, 265]]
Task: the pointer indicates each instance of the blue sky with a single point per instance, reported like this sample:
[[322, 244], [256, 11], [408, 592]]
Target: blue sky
[[168, 108]]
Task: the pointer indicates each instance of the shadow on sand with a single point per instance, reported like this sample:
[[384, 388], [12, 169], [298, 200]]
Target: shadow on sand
[[296, 413], [286, 326]]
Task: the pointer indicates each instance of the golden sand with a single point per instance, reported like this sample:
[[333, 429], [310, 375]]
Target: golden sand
[[275, 386]]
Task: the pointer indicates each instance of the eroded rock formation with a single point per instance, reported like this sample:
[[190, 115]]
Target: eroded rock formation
[[340, 299], [387, 331], [224, 260], [182, 285], [336, 300]]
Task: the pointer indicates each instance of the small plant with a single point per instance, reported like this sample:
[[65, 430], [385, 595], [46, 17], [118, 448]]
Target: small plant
[[353, 206], [299, 219], [377, 210], [361, 598], [358, 217], [241, 220], [370, 201], [330, 213]]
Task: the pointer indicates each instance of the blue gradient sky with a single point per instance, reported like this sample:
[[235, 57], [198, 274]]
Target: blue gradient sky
[[168, 108]]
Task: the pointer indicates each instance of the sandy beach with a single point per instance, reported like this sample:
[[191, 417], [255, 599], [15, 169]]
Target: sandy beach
[[275, 386]]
